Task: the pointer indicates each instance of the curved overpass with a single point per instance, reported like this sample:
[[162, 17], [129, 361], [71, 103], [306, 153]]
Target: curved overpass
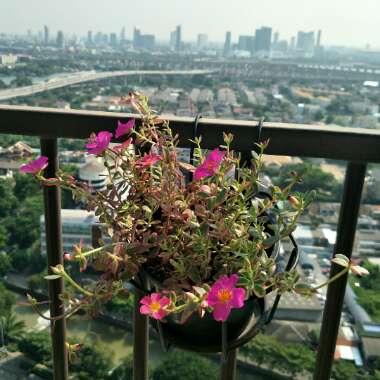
[[87, 76]]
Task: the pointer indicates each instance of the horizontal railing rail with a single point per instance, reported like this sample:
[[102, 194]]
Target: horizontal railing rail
[[356, 146], [332, 142]]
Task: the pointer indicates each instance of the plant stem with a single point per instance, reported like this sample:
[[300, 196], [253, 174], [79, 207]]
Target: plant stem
[[76, 285], [332, 279]]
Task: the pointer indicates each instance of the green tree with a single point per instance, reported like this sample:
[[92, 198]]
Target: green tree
[[37, 346], [124, 371], [5, 263], [92, 362], [344, 370], [7, 299], [292, 359], [313, 178], [185, 366], [13, 329]]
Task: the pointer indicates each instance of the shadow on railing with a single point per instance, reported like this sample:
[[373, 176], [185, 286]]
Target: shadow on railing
[[357, 146]]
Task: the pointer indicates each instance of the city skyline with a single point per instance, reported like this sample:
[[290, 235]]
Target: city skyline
[[356, 24]]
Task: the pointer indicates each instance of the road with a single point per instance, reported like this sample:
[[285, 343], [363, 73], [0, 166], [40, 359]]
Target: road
[[87, 76]]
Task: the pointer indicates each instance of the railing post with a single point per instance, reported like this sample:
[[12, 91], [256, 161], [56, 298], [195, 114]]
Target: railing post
[[353, 186], [228, 366], [52, 206], [140, 341]]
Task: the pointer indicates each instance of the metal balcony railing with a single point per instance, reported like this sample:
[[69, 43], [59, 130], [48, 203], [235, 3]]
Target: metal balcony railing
[[356, 146]]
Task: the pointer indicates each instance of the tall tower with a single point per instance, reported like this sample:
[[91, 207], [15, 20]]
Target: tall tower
[[89, 38], [60, 39], [46, 35], [319, 37], [122, 34], [178, 38], [227, 43], [263, 39], [136, 37]]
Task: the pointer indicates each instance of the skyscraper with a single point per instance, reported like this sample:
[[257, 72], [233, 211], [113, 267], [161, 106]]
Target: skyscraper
[[276, 38], [246, 43], [263, 39], [89, 37], [122, 35], [319, 37], [136, 37], [227, 43], [113, 39], [176, 38], [305, 42], [202, 40], [46, 35], [292, 43], [60, 39]]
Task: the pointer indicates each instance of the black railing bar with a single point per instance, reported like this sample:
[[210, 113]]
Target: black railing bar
[[228, 366], [341, 143], [349, 211], [52, 210]]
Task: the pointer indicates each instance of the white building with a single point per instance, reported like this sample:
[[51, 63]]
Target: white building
[[76, 226], [94, 173], [8, 60]]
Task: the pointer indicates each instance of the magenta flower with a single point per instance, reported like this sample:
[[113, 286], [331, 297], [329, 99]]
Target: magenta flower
[[224, 296], [124, 128], [154, 306], [99, 143], [124, 145], [148, 160], [34, 166], [210, 165]]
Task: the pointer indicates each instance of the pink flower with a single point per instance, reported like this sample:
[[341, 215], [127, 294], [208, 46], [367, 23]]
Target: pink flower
[[121, 147], [99, 143], [124, 128], [148, 160], [210, 165], [35, 166], [223, 297], [154, 306]]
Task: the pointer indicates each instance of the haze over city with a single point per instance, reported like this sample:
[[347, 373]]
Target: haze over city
[[343, 22]]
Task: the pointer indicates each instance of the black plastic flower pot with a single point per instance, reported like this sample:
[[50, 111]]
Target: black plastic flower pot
[[204, 334]]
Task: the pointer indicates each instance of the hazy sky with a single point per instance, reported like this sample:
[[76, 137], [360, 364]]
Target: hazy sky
[[343, 22]]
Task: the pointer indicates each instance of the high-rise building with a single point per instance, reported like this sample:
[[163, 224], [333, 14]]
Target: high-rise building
[[136, 38], [122, 35], [227, 43], [46, 35], [319, 38], [263, 39], [246, 43], [89, 38], [176, 38], [202, 40], [113, 39], [305, 42], [292, 43], [60, 39], [276, 38], [147, 41]]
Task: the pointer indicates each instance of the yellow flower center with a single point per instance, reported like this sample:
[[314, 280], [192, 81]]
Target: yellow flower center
[[224, 295], [155, 306]]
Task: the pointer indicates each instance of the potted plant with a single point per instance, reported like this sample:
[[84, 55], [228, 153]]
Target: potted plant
[[204, 250]]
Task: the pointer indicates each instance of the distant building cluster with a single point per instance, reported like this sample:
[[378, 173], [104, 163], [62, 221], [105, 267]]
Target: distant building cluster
[[263, 43]]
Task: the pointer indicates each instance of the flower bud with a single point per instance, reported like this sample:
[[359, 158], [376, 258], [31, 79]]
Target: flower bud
[[187, 215], [205, 189], [294, 202]]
